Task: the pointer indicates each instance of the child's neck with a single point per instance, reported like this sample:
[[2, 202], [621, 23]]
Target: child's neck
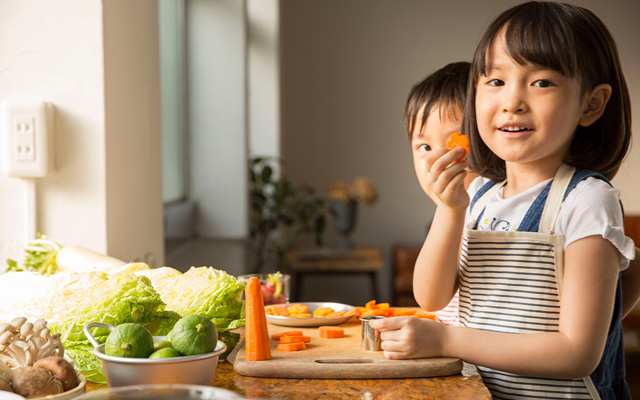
[[523, 177]]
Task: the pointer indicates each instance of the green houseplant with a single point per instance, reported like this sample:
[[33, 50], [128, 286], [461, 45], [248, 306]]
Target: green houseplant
[[281, 216]]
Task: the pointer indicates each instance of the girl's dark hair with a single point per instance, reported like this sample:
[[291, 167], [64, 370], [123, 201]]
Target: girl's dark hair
[[573, 41], [446, 87]]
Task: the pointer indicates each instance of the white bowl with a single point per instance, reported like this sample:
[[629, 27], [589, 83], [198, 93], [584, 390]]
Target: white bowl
[[163, 392]]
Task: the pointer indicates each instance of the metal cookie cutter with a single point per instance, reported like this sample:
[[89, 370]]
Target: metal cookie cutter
[[370, 337]]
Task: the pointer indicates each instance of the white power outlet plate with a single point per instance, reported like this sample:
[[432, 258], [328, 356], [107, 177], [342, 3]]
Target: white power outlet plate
[[27, 132]]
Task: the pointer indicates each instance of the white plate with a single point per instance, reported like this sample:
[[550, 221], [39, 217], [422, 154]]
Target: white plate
[[313, 321]]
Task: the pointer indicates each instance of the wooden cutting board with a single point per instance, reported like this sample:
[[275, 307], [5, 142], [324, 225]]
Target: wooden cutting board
[[341, 358]]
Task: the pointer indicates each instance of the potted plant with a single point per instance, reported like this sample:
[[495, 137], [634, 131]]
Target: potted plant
[[281, 215]]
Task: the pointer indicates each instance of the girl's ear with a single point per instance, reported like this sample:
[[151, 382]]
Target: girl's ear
[[596, 102]]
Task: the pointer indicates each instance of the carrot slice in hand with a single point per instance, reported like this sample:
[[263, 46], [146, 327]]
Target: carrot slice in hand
[[292, 346], [331, 332], [457, 139], [257, 346]]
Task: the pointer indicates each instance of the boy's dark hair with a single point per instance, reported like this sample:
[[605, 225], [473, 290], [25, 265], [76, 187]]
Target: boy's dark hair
[[573, 41], [446, 87]]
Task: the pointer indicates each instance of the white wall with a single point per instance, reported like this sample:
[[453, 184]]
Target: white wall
[[97, 63]]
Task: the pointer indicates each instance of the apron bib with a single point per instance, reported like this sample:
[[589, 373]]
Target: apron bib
[[510, 283]]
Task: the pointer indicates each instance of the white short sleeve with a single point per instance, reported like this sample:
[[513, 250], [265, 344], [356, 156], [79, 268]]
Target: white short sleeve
[[593, 208]]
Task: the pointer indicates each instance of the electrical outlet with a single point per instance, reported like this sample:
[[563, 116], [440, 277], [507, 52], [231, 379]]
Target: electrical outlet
[[27, 131]]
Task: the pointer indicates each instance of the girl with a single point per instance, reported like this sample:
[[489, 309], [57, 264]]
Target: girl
[[548, 115]]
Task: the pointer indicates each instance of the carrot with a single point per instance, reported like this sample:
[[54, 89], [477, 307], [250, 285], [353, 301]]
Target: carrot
[[425, 314], [277, 336], [335, 314], [297, 309], [303, 315], [295, 339], [331, 332], [292, 346], [457, 139], [322, 311], [257, 346]]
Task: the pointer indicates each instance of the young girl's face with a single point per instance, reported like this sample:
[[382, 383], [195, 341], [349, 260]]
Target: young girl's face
[[526, 114], [440, 124]]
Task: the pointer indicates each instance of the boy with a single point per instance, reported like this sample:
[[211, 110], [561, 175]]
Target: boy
[[432, 113]]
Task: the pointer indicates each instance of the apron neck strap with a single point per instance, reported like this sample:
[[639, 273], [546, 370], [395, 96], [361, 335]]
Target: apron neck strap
[[479, 205], [554, 199]]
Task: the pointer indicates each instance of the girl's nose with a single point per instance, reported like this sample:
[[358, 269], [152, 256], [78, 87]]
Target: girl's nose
[[514, 102]]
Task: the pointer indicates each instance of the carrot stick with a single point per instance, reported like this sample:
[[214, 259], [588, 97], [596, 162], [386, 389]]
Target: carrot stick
[[295, 339], [277, 336], [257, 347], [331, 332], [292, 346]]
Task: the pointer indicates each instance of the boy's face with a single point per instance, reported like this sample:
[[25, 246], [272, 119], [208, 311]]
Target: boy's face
[[434, 135]]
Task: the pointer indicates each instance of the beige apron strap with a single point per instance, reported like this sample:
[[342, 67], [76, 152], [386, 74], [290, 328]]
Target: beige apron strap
[[554, 199], [479, 205]]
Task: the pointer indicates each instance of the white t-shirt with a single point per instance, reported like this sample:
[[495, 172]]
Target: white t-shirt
[[591, 208]]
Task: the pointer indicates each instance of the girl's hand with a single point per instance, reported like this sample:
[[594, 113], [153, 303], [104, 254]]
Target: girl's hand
[[444, 177], [410, 337]]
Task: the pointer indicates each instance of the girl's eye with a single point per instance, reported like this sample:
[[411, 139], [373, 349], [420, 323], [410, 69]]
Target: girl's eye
[[542, 83], [424, 147]]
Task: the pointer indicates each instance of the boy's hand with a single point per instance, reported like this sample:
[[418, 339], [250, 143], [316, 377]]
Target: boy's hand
[[445, 177], [409, 337]]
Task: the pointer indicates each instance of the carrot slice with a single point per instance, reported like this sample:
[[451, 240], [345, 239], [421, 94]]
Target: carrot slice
[[335, 314], [304, 315], [370, 305], [331, 332], [292, 346], [457, 139], [257, 347], [295, 339], [277, 336], [322, 311], [424, 314], [297, 309]]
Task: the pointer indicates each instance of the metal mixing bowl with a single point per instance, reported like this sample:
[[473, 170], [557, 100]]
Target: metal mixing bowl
[[123, 371]]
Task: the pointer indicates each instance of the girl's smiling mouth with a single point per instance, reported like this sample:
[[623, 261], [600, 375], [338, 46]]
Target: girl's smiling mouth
[[514, 131]]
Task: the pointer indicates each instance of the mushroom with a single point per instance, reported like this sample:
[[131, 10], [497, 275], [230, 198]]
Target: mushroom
[[22, 343], [61, 369], [35, 382]]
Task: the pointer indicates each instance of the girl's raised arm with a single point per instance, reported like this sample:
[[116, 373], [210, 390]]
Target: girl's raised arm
[[436, 270]]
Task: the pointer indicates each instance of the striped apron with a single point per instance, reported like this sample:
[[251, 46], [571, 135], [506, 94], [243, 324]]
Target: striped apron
[[510, 283]]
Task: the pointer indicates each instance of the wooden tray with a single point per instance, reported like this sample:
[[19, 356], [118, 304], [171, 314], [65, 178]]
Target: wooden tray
[[339, 359]]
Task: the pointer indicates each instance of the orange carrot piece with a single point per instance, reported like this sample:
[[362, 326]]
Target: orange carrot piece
[[292, 346], [297, 309], [295, 339], [322, 311], [257, 346], [370, 305], [400, 313], [425, 314], [457, 139], [331, 332], [277, 336], [305, 315], [335, 314]]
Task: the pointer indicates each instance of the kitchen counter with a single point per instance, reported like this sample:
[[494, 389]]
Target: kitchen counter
[[457, 387]]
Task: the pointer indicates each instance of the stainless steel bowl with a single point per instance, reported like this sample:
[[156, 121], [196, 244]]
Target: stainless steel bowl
[[163, 392], [123, 371]]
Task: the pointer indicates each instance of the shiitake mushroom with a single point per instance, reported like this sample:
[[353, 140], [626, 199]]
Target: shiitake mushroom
[[61, 369], [35, 382]]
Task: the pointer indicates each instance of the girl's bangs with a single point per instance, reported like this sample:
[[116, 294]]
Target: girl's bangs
[[534, 36]]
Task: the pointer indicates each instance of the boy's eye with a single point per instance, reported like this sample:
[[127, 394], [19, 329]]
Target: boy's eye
[[495, 82], [542, 83], [424, 147]]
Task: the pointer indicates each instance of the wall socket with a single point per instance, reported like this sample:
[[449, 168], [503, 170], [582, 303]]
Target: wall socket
[[27, 136]]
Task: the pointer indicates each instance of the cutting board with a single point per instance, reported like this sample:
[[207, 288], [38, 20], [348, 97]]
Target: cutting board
[[341, 358]]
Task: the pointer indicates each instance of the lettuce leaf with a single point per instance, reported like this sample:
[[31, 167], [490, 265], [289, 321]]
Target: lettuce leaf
[[204, 291]]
